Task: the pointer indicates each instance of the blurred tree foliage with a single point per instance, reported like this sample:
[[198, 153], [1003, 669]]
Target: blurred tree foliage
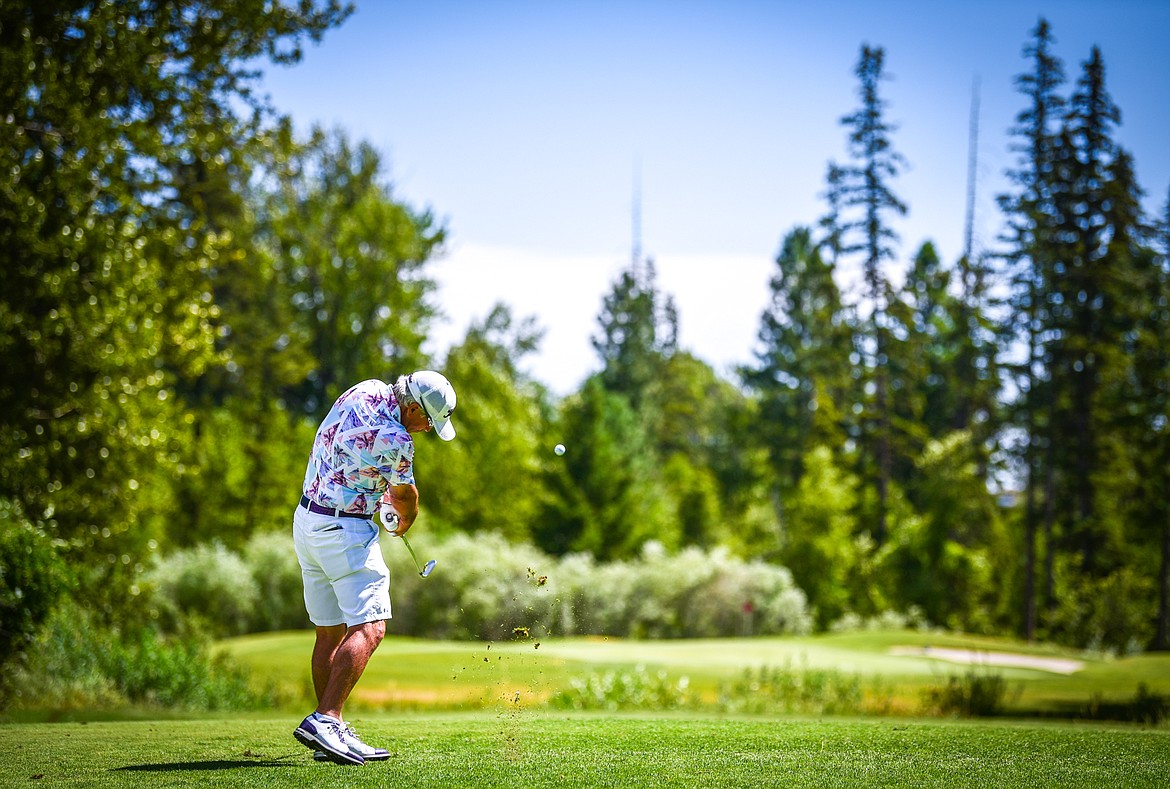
[[323, 285], [607, 494], [819, 541], [491, 476], [116, 114], [187, 285], [805, 361], [942, 559], [32, 580], [350, 260]]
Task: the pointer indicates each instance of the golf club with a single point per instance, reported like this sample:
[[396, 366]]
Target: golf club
[[423, 571], [389, 521]]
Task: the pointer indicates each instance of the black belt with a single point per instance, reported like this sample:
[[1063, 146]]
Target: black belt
[[313, 506]]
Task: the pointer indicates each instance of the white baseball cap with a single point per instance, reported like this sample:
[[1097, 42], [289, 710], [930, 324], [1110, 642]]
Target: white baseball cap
[[435, 394]]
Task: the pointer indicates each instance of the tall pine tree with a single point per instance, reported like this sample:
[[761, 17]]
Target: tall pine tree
[[803, 371], [1086, 320], [1153, 366], [868, 196], [1030, 256], [638, 331]]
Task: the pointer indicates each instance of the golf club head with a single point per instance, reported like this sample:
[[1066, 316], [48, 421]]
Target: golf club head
[[427, 570]]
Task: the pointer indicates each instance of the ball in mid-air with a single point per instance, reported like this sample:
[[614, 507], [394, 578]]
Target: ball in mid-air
[[559, 449]]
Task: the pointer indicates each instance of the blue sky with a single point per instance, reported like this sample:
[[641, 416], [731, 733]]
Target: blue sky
[[522, 124]]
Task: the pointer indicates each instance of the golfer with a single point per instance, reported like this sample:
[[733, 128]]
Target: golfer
[[362, 461]]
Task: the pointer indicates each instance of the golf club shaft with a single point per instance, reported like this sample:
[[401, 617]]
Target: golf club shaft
[[406, 542]]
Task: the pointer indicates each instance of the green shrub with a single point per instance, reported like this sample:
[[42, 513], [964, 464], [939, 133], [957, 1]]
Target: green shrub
[[276, 572], [977, 693], [206, 588], [789, 690], [491, 587], [912, 619], [32, 579], [1148, 707], [764, 691], [747, 598], [625, 690], [689, 594], [78, 664]]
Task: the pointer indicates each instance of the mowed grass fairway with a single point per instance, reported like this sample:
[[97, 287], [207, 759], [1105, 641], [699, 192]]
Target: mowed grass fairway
[[545, 749], [457, 714]]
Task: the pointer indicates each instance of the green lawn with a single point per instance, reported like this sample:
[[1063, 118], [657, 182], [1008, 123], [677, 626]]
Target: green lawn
[[416, 674], [473, 714], [517, 748]]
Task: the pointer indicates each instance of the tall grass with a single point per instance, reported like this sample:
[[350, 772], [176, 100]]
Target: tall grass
[[77, 664], [788, 689], [767, 690], [977, 692], [626, 690]]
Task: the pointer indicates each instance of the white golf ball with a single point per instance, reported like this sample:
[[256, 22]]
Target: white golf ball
[[559, 449]]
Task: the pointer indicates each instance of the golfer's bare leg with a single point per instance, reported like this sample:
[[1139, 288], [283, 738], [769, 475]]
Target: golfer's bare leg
[[328, 640], [348, 662]]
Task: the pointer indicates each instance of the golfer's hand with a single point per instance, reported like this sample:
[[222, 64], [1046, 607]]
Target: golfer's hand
[[390, 521]]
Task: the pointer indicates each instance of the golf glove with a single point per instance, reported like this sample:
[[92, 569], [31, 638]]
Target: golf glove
[[389, 518]]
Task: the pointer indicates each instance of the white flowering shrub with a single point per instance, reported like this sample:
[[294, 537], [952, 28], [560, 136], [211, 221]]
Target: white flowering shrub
[[482, 588], [485, 587]]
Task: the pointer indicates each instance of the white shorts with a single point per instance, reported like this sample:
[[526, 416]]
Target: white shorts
[[346, 579]]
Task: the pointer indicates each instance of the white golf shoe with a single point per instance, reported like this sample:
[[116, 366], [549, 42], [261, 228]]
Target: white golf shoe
[[368, 752], [324, 735]]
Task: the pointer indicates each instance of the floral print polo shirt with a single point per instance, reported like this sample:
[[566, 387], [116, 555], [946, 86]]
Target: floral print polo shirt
[[360, 448]]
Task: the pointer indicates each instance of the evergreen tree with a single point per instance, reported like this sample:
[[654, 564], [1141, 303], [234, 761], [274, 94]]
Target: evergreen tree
[[690, 437], [943, 371], [1082, 232], [803, 373], [940, 559], [921, 361], [1086, 321], [1031, 257], [1133, 469], [832, 240], [638, 332], [867, 192], [977, 373], [1152, 365], [606, 493]]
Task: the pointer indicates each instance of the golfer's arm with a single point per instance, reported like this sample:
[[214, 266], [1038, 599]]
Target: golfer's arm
[[404, 500]]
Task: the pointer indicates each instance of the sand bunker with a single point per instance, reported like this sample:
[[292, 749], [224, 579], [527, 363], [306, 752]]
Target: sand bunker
[[978, 658]]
